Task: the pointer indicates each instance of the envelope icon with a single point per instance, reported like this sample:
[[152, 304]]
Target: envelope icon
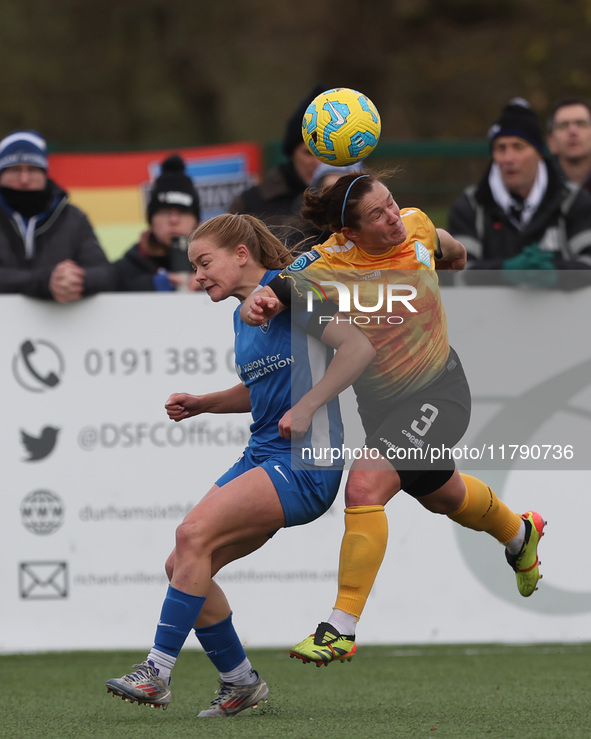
[[43, 580]]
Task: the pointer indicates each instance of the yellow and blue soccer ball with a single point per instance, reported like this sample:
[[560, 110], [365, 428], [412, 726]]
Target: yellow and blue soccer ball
[[341, 126]]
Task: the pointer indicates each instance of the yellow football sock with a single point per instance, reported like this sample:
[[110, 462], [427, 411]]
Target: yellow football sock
[[362, 551], [483, 511]]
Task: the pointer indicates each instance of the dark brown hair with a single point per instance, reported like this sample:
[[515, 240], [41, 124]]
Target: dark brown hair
[[325, 207], [563, 104]]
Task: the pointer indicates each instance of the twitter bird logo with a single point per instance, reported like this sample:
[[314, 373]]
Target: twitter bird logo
[[39, 447]]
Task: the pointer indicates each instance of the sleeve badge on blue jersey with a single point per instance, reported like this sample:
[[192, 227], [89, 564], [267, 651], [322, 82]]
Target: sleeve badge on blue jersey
[[423, 254], [303, 261]]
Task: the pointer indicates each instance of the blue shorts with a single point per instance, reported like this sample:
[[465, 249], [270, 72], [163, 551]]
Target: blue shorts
[[304, 494]]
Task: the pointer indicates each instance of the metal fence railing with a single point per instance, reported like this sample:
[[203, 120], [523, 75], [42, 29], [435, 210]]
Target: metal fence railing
[[429, 175]]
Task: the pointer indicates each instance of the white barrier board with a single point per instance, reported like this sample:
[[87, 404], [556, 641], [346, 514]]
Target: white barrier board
[[95, 479]]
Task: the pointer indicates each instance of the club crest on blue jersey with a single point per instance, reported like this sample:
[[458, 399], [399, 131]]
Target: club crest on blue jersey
[[303, 261], [423, 254], [265, 326]]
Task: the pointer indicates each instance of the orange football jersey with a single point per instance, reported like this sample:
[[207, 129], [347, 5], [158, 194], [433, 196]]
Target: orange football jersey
[[393, 297]]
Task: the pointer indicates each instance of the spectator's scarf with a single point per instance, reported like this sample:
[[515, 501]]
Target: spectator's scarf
[[519, 210]]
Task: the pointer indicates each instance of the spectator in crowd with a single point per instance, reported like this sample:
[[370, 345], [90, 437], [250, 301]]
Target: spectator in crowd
[[277, 200], [159, 261], [522, 218], [48, 248], [569, 140], [327, 174]]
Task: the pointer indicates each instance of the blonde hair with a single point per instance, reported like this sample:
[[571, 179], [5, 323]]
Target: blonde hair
[[232, 229]]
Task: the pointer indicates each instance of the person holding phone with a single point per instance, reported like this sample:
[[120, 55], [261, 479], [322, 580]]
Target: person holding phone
[[159, 261]]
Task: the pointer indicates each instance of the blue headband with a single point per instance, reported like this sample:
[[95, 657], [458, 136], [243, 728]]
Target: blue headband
[[361, 176]]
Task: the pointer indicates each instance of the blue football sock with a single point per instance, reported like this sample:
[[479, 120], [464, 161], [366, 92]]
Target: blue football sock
[[222, 645], [179, 613]]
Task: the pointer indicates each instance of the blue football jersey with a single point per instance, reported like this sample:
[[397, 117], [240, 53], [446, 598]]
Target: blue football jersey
[[279, 362]]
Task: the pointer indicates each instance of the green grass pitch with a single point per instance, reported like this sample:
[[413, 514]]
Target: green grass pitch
[[510, 692]]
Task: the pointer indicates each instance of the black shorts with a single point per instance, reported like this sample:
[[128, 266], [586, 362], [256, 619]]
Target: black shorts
[[416, 434]]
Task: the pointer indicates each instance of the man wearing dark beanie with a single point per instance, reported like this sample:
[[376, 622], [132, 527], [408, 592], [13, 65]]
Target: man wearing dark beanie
[[158, 262], [277, 199], [48, 248], [523, 223]]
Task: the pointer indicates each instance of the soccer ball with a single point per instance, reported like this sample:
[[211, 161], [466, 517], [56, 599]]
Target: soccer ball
[[341, 126]]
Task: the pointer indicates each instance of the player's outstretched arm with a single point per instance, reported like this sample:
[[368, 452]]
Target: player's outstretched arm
[[453, 252], [353, 353], [260, 306], [184, 405]]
